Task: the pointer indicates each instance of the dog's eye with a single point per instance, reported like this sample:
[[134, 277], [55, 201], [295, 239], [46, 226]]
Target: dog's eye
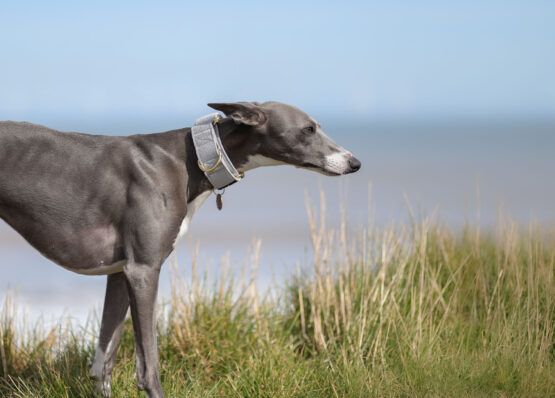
[[309, 129]]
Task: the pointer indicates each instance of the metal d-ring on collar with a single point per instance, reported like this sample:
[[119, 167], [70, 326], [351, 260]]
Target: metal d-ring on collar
[[212, 158], [209, 169]]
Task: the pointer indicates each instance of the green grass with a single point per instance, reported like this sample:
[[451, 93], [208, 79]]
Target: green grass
[[403, 312]]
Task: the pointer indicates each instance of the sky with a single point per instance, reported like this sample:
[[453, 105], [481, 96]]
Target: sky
[[82, 61]]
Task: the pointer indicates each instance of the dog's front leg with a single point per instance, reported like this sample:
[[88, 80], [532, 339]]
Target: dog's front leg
[[142, 284], [116, 304]]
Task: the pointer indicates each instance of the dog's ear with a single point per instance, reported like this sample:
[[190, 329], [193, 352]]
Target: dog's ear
[[242, 112]]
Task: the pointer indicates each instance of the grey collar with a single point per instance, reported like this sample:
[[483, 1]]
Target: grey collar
[[212, 158]]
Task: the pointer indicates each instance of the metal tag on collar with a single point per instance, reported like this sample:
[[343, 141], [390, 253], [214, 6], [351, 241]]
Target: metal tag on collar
[[219, 193]]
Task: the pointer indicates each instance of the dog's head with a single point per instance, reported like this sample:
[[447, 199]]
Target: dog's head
[[276, 133]]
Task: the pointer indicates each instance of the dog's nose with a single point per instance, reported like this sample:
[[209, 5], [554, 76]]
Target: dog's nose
[[354, 163]]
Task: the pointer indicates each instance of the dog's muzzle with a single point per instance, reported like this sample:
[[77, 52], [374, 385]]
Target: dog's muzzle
[[341, 163]]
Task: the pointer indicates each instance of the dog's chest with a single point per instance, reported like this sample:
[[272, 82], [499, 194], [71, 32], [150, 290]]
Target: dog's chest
[[192, 207]]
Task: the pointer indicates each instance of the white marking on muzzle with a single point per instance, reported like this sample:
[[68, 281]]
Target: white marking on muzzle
[[337, 163]]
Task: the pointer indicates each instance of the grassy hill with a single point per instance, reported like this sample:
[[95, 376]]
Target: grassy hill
[[416, 310]]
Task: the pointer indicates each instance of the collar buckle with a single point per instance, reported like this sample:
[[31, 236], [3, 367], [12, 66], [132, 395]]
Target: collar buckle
[[207, 169]]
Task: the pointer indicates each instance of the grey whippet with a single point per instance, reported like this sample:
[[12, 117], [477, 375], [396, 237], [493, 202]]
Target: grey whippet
[[106, 205]]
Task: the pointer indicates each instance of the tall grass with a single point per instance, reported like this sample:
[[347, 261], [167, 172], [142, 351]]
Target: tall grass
[[411, 310]]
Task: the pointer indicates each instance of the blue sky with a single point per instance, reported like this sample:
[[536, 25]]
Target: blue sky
[[388, 59]]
